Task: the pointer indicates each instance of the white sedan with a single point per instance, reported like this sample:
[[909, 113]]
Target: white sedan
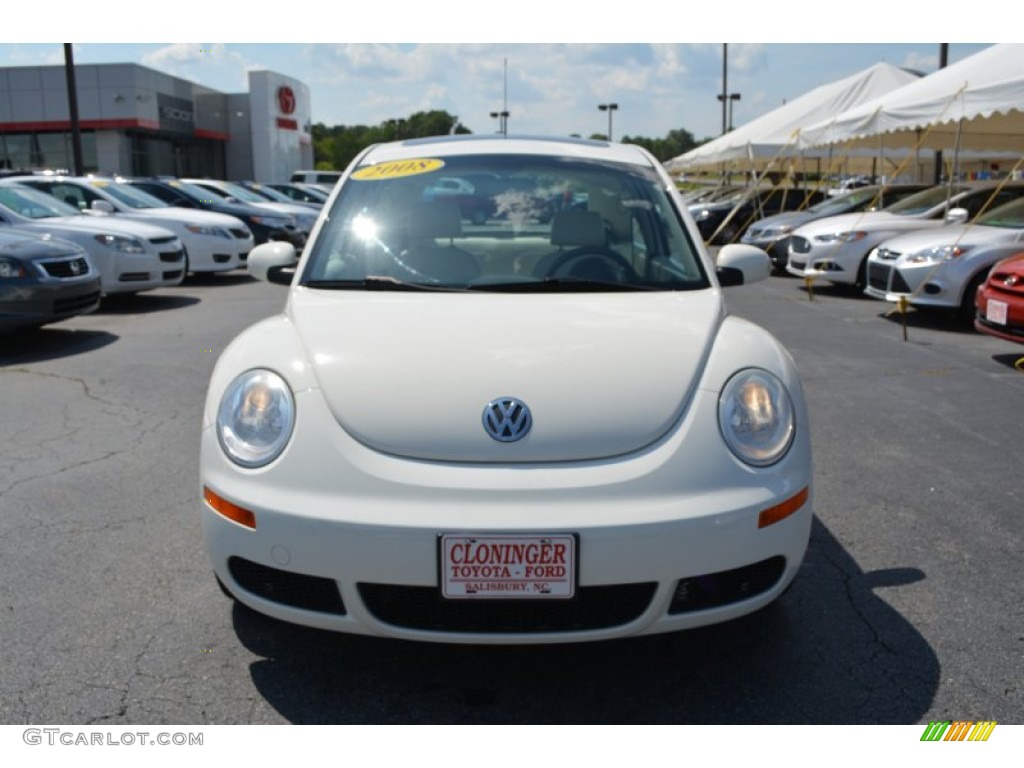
[[131, 256], [541, 429], [944, 267], [836, 249], [214, 242]]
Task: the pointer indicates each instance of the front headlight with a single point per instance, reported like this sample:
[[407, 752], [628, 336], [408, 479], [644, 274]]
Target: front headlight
[[121, 243], [273, 222], [755, 416], [11, 269], [939, 253], [255, 418], [199, 229], [842, 237], [704, 214]]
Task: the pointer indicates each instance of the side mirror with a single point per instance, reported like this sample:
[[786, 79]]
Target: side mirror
[[274, 262], [742, 265], [102, 206], [957, 216]]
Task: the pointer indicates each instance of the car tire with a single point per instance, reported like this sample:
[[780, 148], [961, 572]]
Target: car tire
[[965, 314]]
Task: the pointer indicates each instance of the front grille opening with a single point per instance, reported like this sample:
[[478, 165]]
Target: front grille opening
[[424, 608], [70, 268], [162, 240], [311, 593], [173, 274], [76, 303], [711, 590], [133, 277], [172, 256], [241, 234], [222, 258]]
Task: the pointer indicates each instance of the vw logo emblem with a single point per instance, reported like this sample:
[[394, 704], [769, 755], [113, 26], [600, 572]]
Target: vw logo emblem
[[507, 419]]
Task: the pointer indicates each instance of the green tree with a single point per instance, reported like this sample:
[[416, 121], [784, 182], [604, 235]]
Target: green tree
[[336, 146]]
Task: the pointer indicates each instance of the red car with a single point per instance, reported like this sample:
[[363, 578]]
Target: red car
[[1000, 301]]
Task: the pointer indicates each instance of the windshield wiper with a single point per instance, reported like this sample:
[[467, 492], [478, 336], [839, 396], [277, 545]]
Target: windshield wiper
[[563, 285], [380, 283]]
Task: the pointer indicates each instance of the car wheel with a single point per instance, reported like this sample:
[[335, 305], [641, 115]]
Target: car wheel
[[862, 275], [966, 313]]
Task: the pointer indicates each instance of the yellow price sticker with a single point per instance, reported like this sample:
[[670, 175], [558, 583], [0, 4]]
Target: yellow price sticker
[[396, 169]]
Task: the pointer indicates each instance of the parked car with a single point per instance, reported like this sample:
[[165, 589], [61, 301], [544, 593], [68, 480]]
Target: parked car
[[323, 179], [43, 280], [836, 248], [213, 242], [269, 193], [724, 221], [304, 216], [302, 193], [265, 225], [772, 233], [943, 267], [1000, 301], [131, 256], [526, 432]]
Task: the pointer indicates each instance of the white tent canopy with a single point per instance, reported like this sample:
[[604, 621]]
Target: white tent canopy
[[775, 133], [982, 95]]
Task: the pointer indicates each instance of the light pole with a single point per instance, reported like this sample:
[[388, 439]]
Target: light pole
[[731, 98], [502, 118], [609, 108]]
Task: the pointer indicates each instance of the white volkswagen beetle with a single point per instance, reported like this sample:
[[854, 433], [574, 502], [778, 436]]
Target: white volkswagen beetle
[[542, 428]]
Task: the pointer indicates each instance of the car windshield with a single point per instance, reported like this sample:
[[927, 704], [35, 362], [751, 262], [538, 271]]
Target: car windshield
[[532, 223], [1010, 216], [33, 204], [197, 193], [843, 203], [237, 191], [130, 196], [923, 201], [269, 193]]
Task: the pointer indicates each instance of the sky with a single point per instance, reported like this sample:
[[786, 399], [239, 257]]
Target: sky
[[656, 61]]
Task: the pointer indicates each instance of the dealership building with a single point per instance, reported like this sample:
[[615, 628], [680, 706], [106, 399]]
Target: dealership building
[[136, 121]]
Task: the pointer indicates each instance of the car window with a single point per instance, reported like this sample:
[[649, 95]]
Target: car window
[[1009, 215], [530, 223], [924, 201], [33, 204], [130, 196]]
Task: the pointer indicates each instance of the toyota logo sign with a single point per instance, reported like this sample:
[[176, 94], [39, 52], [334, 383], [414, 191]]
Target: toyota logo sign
[[286, 99], [507, 419]]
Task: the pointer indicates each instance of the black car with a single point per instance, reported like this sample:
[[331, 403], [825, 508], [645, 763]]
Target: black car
[[302, 193], [43, 280], [276, 196], [265, 225], [749, 207]]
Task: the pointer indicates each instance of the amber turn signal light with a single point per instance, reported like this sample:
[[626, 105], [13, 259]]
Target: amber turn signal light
[[781, 511], [232, 511]]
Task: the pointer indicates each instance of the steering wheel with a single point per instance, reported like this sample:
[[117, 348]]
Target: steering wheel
[[596, 251]]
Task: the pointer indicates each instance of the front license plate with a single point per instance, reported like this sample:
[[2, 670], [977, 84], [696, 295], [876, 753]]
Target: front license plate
[[508, 566], [995, 312]]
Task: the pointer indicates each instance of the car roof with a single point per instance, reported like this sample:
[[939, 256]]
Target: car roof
[[488, 144]]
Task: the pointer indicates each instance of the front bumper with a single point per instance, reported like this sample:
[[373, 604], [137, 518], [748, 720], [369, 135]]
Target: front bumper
[[346, 538], [39, 303], [835, 262]]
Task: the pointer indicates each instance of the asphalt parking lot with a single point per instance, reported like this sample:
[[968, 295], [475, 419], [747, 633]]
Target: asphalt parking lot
[[907, 608]]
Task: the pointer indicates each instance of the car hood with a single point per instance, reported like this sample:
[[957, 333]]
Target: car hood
[[793, 220], [189, 216], [26, 244], [411, 374], [871, 221], [960, 234], [114, 225]]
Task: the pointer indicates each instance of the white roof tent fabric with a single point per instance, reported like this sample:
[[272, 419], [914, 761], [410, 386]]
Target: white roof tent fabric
[[775, 133], [982, 96]]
